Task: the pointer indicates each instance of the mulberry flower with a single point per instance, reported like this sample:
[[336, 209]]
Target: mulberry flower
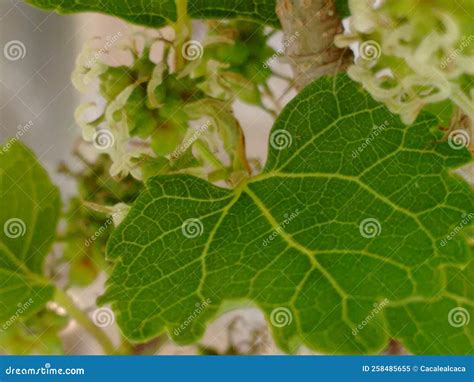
[[412, 55]]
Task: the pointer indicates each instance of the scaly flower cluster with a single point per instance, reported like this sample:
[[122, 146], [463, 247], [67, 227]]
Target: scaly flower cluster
[[105, 120], [142, 111], [412, 54]]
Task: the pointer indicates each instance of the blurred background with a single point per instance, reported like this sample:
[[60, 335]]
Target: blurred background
[[37, 98]]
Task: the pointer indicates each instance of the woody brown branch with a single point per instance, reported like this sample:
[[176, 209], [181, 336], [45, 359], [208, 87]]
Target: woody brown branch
[[311, 25]]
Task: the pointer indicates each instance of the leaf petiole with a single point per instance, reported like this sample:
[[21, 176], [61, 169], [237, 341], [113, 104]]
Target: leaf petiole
[[63, 299]]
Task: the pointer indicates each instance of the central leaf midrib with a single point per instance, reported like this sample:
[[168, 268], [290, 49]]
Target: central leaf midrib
[[295, 244]]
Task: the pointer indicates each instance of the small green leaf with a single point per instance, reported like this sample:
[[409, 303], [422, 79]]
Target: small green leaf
[[156, 13], [29, 211], [344, 241]]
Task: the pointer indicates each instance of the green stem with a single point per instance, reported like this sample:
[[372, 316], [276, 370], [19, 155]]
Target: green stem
[[182, 29], [81, 318]]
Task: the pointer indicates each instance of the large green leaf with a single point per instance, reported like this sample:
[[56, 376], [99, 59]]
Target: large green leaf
[[29, 211], [341, 251], [156, 13]]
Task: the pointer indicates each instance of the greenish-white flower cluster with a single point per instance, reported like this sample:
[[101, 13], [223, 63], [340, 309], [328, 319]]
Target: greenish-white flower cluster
[[412, 54]]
